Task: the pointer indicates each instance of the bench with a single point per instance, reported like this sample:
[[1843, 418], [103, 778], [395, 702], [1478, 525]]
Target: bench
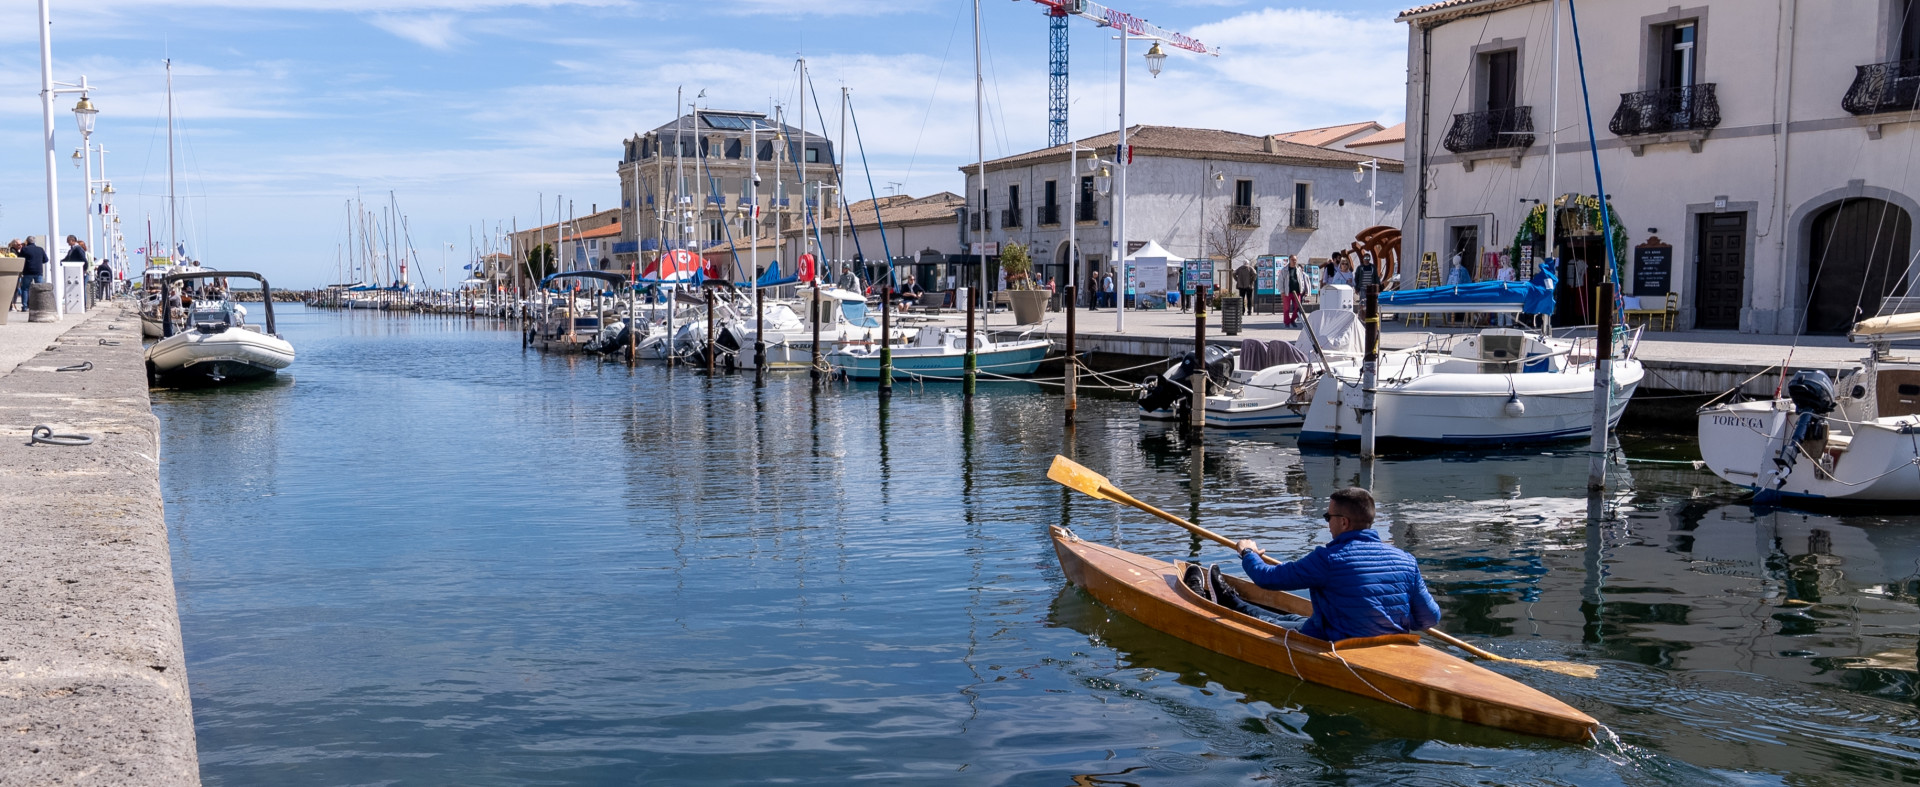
[[1653, 311]]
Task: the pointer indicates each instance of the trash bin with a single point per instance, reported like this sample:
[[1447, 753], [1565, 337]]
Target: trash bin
[[10, 268], [41, 305], [1230, 307]]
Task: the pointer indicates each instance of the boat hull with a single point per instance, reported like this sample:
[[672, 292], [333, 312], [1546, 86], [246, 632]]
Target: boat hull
[[1394, 669], [1017, 361], [1467, 410], [235, 355], [1876, 462]]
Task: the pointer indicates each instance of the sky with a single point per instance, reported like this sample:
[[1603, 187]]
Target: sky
[[476, 114]]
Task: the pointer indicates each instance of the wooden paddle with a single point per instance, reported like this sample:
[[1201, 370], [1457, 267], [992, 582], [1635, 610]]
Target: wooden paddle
[[1076, 476]]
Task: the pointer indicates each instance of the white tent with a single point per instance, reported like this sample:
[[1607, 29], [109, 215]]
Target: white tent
[[1149, 267]]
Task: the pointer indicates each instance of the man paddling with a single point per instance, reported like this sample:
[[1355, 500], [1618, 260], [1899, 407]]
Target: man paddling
[[1362, 586]]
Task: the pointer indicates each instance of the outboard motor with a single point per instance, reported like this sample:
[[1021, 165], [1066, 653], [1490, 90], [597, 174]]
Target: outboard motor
[[1170, 389], [1813, 398]]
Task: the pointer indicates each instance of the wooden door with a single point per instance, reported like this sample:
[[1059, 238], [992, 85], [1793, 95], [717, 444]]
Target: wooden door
[[1857, 256], [1720, 271]]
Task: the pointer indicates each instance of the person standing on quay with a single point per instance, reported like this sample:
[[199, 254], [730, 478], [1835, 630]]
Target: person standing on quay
[[1243, 280], [1293, 284], [32, 271], [103, 281]]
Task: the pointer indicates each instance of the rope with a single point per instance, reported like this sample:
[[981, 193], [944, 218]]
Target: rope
[[1335, 651], [44, 434]]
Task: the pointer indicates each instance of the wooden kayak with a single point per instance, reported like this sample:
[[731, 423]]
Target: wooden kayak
[[1395, 669]]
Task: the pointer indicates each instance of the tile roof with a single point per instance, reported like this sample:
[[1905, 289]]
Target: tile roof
[[1456, 7], [1327, 135], [599, 232], [902, 210], [1395, 134], [1177, 142]]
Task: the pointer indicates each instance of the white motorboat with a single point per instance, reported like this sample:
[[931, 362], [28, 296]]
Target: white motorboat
[[1501, 386], [216, 345], [1856, 441], [153, 294], [1253, 393], [1277, 391]]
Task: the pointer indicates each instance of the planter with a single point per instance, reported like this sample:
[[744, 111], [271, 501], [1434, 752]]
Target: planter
[[1029, 306], [10, 268]]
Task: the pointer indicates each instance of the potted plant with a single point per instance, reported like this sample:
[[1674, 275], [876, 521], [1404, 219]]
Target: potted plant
[[1029, 301]]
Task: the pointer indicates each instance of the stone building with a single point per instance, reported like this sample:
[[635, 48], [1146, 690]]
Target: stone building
[[1200, 193], [708, 161], [1767, 145]]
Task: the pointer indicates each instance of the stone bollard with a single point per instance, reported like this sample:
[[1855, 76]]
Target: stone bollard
[[41, 306]]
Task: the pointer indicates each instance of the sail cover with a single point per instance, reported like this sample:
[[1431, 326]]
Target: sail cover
[[1534, 296]]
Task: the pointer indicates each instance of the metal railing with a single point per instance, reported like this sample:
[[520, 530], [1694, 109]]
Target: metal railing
[[974, 221], [1243, 216], [1668, 109], [1047, 215], [1086, 211], [1010, 217], [1884, 87], [1303, 218], [1511, 127]]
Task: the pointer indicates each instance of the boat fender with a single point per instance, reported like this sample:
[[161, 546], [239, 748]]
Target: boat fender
[[1514, 408]]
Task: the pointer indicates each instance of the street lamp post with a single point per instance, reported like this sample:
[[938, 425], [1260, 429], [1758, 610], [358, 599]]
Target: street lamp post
[[84, 112], [1373, 201], [1156, 59]]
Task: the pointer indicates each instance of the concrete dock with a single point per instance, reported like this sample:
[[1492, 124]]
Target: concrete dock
[[93, 683]]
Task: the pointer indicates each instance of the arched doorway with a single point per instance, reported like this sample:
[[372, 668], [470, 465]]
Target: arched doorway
[[1856, 257], [1060, 269]]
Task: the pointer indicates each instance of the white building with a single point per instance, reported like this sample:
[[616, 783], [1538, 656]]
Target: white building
[[1184, 186], [1771, 144]]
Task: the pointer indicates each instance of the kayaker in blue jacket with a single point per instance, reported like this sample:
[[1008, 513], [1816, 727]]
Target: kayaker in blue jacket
[[1362, 586]]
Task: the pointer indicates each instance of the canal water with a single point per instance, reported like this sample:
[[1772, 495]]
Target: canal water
[[424, 556]]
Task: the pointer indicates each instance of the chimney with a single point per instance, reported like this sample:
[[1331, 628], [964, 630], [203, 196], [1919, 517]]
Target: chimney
[[594, 209], [1271, 143]]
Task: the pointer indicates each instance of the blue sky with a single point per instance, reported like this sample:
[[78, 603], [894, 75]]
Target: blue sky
[[468, 110]]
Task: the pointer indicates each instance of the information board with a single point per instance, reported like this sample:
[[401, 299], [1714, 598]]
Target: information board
[[1653, 270], [1266, 270], [1199, 273]]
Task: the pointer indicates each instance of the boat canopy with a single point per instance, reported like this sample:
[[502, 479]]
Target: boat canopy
[[1534, 296], [612, 279]]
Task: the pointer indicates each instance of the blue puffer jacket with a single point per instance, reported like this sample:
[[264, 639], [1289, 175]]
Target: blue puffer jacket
[[1361, 587]]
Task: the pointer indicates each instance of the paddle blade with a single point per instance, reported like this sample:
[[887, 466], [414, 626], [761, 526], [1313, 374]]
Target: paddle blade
[[1076, 476]]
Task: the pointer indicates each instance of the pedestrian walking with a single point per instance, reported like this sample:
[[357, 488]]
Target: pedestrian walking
[[103, 281], [1293, 285], [32, 271], [1243, 280]]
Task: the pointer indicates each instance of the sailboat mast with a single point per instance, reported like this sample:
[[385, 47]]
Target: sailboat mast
[[679, 173], [840, 188], [1550, 248], [806, 210], [173, 230]]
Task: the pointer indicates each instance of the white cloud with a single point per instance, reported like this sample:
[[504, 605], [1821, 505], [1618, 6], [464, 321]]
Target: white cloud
[[433, 31]]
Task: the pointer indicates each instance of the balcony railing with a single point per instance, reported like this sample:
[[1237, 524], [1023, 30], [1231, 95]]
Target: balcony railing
[[1303, 219], [1010, 217], [1086, 211], [1493, 129], [1884, 87], [1047, 215], [1243, 216], [1692, 108], [973, 221]]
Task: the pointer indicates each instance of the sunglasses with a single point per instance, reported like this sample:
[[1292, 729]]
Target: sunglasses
[[1329, 517]]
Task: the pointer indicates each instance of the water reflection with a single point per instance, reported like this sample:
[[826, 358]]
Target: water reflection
[[437, 559]]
